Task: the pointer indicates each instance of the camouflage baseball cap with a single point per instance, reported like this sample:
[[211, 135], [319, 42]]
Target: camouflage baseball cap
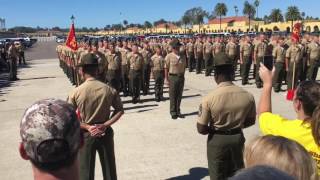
[[221, 59], [50, 131]]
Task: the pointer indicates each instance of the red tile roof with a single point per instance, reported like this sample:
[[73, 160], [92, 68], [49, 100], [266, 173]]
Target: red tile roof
[[228, 19]]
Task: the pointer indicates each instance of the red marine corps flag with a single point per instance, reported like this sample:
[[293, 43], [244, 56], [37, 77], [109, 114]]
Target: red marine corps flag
[[71, 41], [295, 36]]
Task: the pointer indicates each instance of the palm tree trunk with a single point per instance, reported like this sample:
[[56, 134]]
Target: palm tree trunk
[[249, 23], [220, 23]]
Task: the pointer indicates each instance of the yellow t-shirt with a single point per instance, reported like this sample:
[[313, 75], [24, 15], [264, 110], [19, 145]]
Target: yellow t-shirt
[[292, 129]]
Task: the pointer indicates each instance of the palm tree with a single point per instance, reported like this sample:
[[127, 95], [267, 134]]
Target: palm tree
[[276, 15], [199, 17], [185, 20], [125, 22], [292, 14], [147, 25], [249, 10], [236, 10], [220, 10], [256, 4]]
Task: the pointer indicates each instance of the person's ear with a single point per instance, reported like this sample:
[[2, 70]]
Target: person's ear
[[297, 104], [23, 152]]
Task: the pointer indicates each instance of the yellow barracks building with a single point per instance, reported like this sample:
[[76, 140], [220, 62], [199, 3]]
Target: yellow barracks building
[[228, 24]]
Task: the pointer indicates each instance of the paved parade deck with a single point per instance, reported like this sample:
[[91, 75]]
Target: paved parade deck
[[148, 144]]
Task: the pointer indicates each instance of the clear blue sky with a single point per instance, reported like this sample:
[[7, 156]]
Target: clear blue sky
[[98, 13]]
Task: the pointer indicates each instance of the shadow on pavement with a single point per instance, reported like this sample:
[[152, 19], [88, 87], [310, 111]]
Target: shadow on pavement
[[46, 77], [4, 83], [196, 173], [191, 114], [140, 106]]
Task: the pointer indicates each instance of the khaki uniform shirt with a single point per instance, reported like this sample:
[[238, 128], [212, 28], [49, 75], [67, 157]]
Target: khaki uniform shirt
[[246, 49], [227, 107], [124, 56], [294, 53], [190, 48], [13, 52], [113, 62], [260, 49], [146, 54], [135, 62], [157, 62], [218, 47], [207, 48], [175, 64], [198, 48], [279, 54], [313, 51], [231, 49], [94, 99]]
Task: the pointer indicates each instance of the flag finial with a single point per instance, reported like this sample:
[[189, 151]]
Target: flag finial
[[72, 18]]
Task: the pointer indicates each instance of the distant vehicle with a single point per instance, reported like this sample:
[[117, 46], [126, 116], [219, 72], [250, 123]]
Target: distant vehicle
[[60, 40], [219, 34]]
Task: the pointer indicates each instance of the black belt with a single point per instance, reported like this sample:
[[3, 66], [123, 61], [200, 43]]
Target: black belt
[[228, 132]]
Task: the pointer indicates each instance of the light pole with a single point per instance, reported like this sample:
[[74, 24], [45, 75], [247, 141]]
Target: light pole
[[120, 23]]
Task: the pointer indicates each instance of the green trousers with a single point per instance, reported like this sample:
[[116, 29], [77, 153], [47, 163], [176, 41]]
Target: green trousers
[[114, 78], [13, 68], [158, 87], [199, 62], [225, 155], [208, 61], [278, 75], [245, 69], [257, 77], [135, 78], [146, 79], [105, 147], [176, 83], [313, 70], [125, 79]]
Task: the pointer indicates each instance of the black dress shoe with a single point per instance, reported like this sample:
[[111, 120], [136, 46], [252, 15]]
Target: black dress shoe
[[181, 116], [174, 117]]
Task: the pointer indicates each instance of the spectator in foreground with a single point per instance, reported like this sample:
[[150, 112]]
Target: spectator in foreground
[[306, 128], [51, 139], [283, 154], [262, 173]]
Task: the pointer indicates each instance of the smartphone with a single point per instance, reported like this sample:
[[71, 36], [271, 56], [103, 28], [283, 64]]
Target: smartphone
[[268, 62]]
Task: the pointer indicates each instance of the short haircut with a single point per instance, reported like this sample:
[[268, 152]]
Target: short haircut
[[90, 69], [227, 71]]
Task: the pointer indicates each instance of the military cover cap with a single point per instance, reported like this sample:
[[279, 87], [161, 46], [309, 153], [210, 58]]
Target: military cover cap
[[175, 43], [221, 59], [88, 59], [94, 42], [50, 131]]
